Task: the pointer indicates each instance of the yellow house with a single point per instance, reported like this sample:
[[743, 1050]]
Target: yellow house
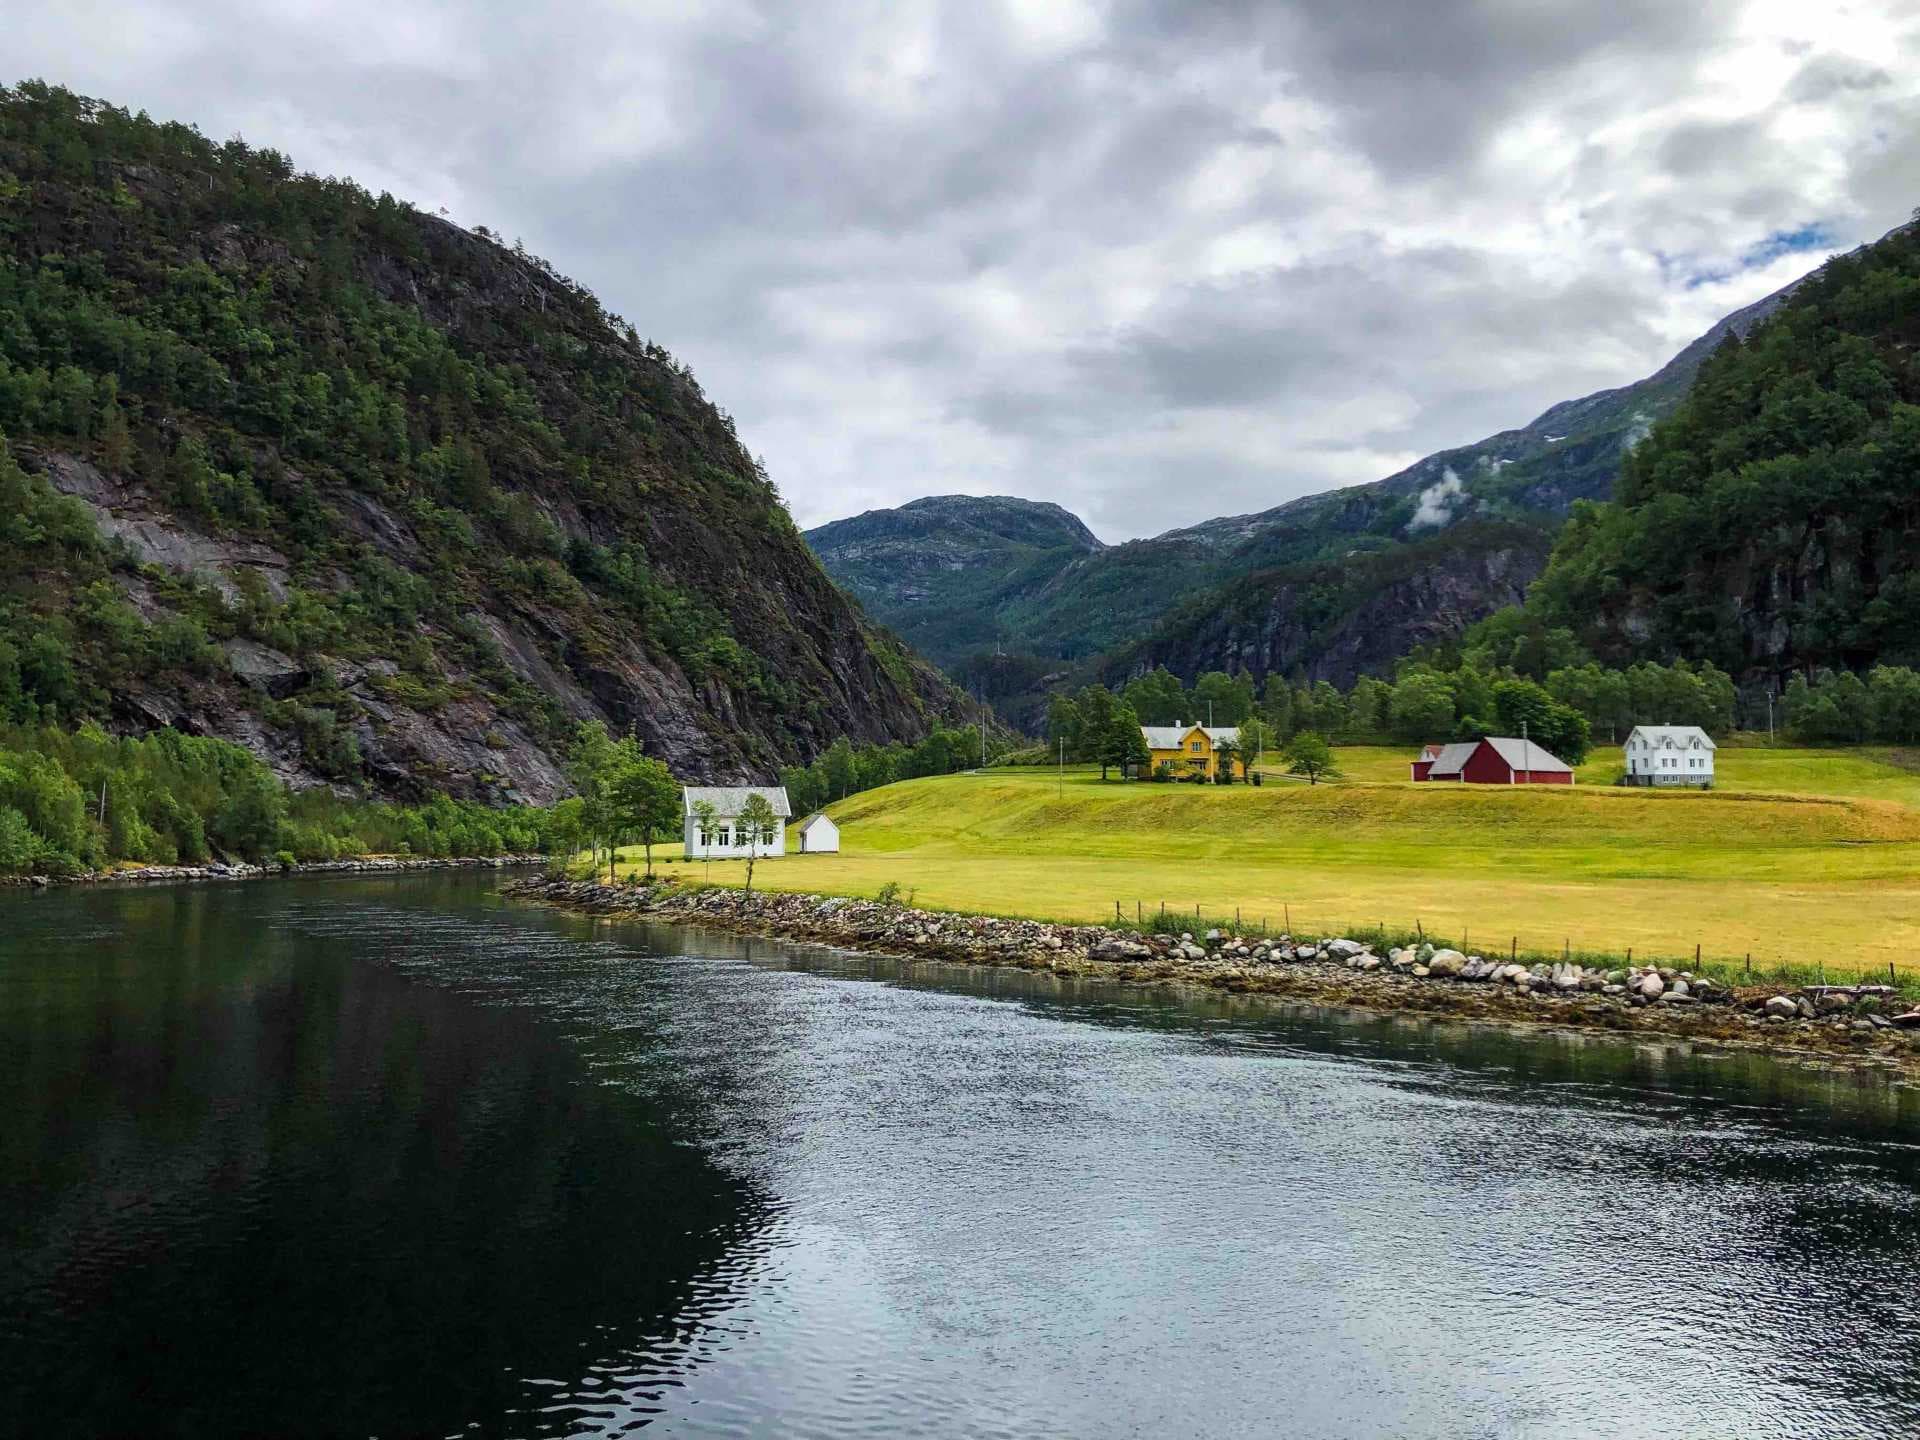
[[1190, 749]]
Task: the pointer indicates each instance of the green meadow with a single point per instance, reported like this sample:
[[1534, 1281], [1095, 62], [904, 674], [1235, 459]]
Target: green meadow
[[1800, 856]]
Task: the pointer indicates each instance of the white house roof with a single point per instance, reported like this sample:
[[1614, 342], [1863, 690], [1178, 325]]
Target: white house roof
[[814, 819], [1452, 757], [727, 800], [1526, 754], [1172, 737], [1673, 737]]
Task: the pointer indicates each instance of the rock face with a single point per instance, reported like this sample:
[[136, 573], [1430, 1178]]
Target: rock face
[[431, 504], [1340, 619]]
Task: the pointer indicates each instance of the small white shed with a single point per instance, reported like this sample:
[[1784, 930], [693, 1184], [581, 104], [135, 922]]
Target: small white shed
[[1670, 755], [818, 835]]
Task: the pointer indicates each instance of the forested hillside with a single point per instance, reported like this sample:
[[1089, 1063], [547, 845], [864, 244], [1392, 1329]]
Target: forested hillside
[[387, 502], [1772, 524]]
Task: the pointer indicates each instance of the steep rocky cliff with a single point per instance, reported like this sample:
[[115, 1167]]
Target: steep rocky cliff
[[388, 502], [1342, 618]]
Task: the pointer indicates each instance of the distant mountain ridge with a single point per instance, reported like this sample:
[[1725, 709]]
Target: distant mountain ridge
[[1113, 609]]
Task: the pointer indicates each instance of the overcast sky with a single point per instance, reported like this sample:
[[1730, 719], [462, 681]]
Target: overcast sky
[[1157, 262]]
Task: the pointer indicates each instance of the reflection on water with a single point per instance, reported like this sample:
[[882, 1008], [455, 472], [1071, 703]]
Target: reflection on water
[[387, 1157]]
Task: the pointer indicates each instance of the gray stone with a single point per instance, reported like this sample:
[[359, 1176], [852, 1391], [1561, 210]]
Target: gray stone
[[1781, 1008], [1652, 986], [1447, 962]]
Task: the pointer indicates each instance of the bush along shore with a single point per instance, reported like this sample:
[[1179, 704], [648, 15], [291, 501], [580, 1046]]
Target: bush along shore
[[1861, 1023], [241, 870]]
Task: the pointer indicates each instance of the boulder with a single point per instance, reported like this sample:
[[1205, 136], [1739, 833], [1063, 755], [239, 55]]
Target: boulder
[[1343, 949], [1652, 986], [1447, 962], [1781, 1006]]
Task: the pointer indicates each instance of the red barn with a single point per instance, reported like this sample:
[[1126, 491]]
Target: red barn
[[1496, 760], [1424, 765]]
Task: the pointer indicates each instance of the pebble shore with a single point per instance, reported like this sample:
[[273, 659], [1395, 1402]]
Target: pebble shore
[[1870, 1025]]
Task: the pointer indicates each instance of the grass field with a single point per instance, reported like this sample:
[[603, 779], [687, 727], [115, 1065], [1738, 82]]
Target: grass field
[[1815, 857]]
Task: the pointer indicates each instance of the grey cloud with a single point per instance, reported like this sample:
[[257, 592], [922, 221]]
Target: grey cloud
[[914, 254]]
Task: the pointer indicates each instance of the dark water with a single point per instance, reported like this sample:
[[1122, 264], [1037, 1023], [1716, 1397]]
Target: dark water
[[386, 1157]]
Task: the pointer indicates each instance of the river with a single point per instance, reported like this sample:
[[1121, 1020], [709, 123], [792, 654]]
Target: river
[[393, 1157]]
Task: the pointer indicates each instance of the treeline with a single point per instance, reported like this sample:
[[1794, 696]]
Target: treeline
[[80, 800], [844, 768], [1428, 699], [1839, 706]]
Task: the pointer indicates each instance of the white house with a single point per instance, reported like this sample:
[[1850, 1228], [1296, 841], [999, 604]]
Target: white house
[[729, 839], [1670, 755], [818, 835]]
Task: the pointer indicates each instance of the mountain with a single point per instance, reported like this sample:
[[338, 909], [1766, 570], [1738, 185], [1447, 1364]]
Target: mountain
[[1323, 587], [1772, 523], [941, 571], [390, 503]]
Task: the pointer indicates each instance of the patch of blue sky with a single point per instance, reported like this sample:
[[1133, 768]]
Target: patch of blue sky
[[1690, 272]]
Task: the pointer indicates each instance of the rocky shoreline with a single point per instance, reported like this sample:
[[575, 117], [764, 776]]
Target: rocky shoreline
[[241, 870], [1865, 1025]]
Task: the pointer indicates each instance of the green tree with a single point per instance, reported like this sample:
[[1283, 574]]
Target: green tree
[[1256, 738], [1125, 745], [591, 759], [1157, 697], [1276, 707], [1221, 699], [1309, 754], [645, 800], [1096, 705], [706, 823], [1063, 725], [1421, 706], [1225, 751], [756, 821], [1524, 708]]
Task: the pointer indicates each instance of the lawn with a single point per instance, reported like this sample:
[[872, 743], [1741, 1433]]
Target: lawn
[[1817, 857]]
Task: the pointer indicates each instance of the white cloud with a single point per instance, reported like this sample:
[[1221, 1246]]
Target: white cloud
[[1154, 260]]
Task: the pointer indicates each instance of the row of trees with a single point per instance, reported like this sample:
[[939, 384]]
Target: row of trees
[[1841, 706], [1563, 706], [84, 799], [845, 769]]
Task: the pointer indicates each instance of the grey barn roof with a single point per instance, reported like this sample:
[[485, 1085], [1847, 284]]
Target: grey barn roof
[[1452, 757], [817, 815], [727, 799]]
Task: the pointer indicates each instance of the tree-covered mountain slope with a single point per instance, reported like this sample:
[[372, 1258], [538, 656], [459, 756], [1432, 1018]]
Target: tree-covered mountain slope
[[941, 570], [1772, 523], [385, 500]]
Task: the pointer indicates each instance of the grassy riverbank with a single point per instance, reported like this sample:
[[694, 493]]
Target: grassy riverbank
[[1798, 869]]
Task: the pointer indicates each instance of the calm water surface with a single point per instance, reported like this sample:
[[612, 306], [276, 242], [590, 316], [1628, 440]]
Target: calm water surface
[[388, 1157]]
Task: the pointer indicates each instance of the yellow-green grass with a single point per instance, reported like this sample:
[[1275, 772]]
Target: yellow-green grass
[[1781, 876], [1875, 772]]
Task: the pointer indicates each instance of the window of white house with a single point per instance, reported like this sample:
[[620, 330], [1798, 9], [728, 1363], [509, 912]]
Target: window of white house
[[726, 838], [766, 834]]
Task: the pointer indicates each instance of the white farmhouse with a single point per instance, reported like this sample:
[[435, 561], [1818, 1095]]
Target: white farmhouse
[[818, 835], [728, 838], [1670, 755]]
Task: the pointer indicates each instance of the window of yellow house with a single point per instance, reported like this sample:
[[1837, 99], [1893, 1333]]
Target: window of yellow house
[[1194, 746]]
